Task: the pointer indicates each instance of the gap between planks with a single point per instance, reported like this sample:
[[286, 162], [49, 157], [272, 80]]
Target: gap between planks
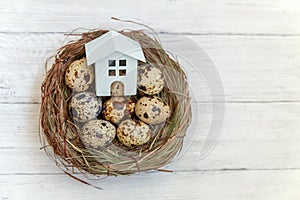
[[175, 33], [171, 171], [199, 102]]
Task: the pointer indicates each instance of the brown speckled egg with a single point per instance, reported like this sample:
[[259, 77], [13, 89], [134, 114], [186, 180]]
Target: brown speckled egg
[[79, 76], [150, 79], [133, 133], [85, 106], [117, 89], [152, 110], [118, 108], [97, 133]]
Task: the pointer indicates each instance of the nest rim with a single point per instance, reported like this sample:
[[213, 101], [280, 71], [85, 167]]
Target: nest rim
[[60, 138]]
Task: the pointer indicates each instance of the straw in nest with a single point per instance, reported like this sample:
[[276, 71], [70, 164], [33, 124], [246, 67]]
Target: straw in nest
[[60, 136]]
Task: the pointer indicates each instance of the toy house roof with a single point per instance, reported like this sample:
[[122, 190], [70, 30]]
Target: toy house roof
[[110, 42]]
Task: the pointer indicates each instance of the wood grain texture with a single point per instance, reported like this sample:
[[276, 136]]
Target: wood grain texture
[[252, 17], [255, 47], [247, 143], [224, 185], [267, 68]]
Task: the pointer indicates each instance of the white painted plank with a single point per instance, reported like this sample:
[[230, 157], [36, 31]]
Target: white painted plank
[[255, 136], [214, 16], [258, 185], [260, 142], [255, 68], [251, 68]]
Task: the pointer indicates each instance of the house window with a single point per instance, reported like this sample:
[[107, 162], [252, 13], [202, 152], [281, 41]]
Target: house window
[[117, 67], [122, 72], [122, 67], [112, 67], [122, 62], [112, 72], [112, 63]]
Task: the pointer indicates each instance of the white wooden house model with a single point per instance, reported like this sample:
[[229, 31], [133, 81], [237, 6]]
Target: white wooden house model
[[115, 58]]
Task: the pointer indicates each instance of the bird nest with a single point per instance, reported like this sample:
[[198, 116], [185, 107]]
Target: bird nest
[[60, 135]]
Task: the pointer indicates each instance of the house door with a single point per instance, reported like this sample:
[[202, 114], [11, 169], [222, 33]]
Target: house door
[[117, 88]]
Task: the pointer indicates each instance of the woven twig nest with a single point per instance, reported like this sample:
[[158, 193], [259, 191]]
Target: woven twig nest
[[60, 135]]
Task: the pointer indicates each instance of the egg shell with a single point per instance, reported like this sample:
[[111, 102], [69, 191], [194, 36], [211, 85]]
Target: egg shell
[[79, 76], [133, 133], [85, 106], [150, 79], [152, 110], [117, 89], [117, 109], [97, 133]]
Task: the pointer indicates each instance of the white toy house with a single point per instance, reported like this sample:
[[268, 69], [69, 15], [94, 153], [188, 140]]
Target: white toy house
[[115, 58]]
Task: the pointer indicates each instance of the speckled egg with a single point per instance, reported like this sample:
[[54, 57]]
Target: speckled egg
[[133, 133], [85, 106], [150, 79], [117, 89], [97, 133], [152, 110], [118, 108], [79, 76]]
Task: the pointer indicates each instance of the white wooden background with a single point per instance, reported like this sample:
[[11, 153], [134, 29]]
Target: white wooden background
[[255, 45]]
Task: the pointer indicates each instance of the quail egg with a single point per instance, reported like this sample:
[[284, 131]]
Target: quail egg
[[97, 133], [118, 108], [79, 76], [85, 106], [133, 133], [117, 89], [152, 110], [150, 79]]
